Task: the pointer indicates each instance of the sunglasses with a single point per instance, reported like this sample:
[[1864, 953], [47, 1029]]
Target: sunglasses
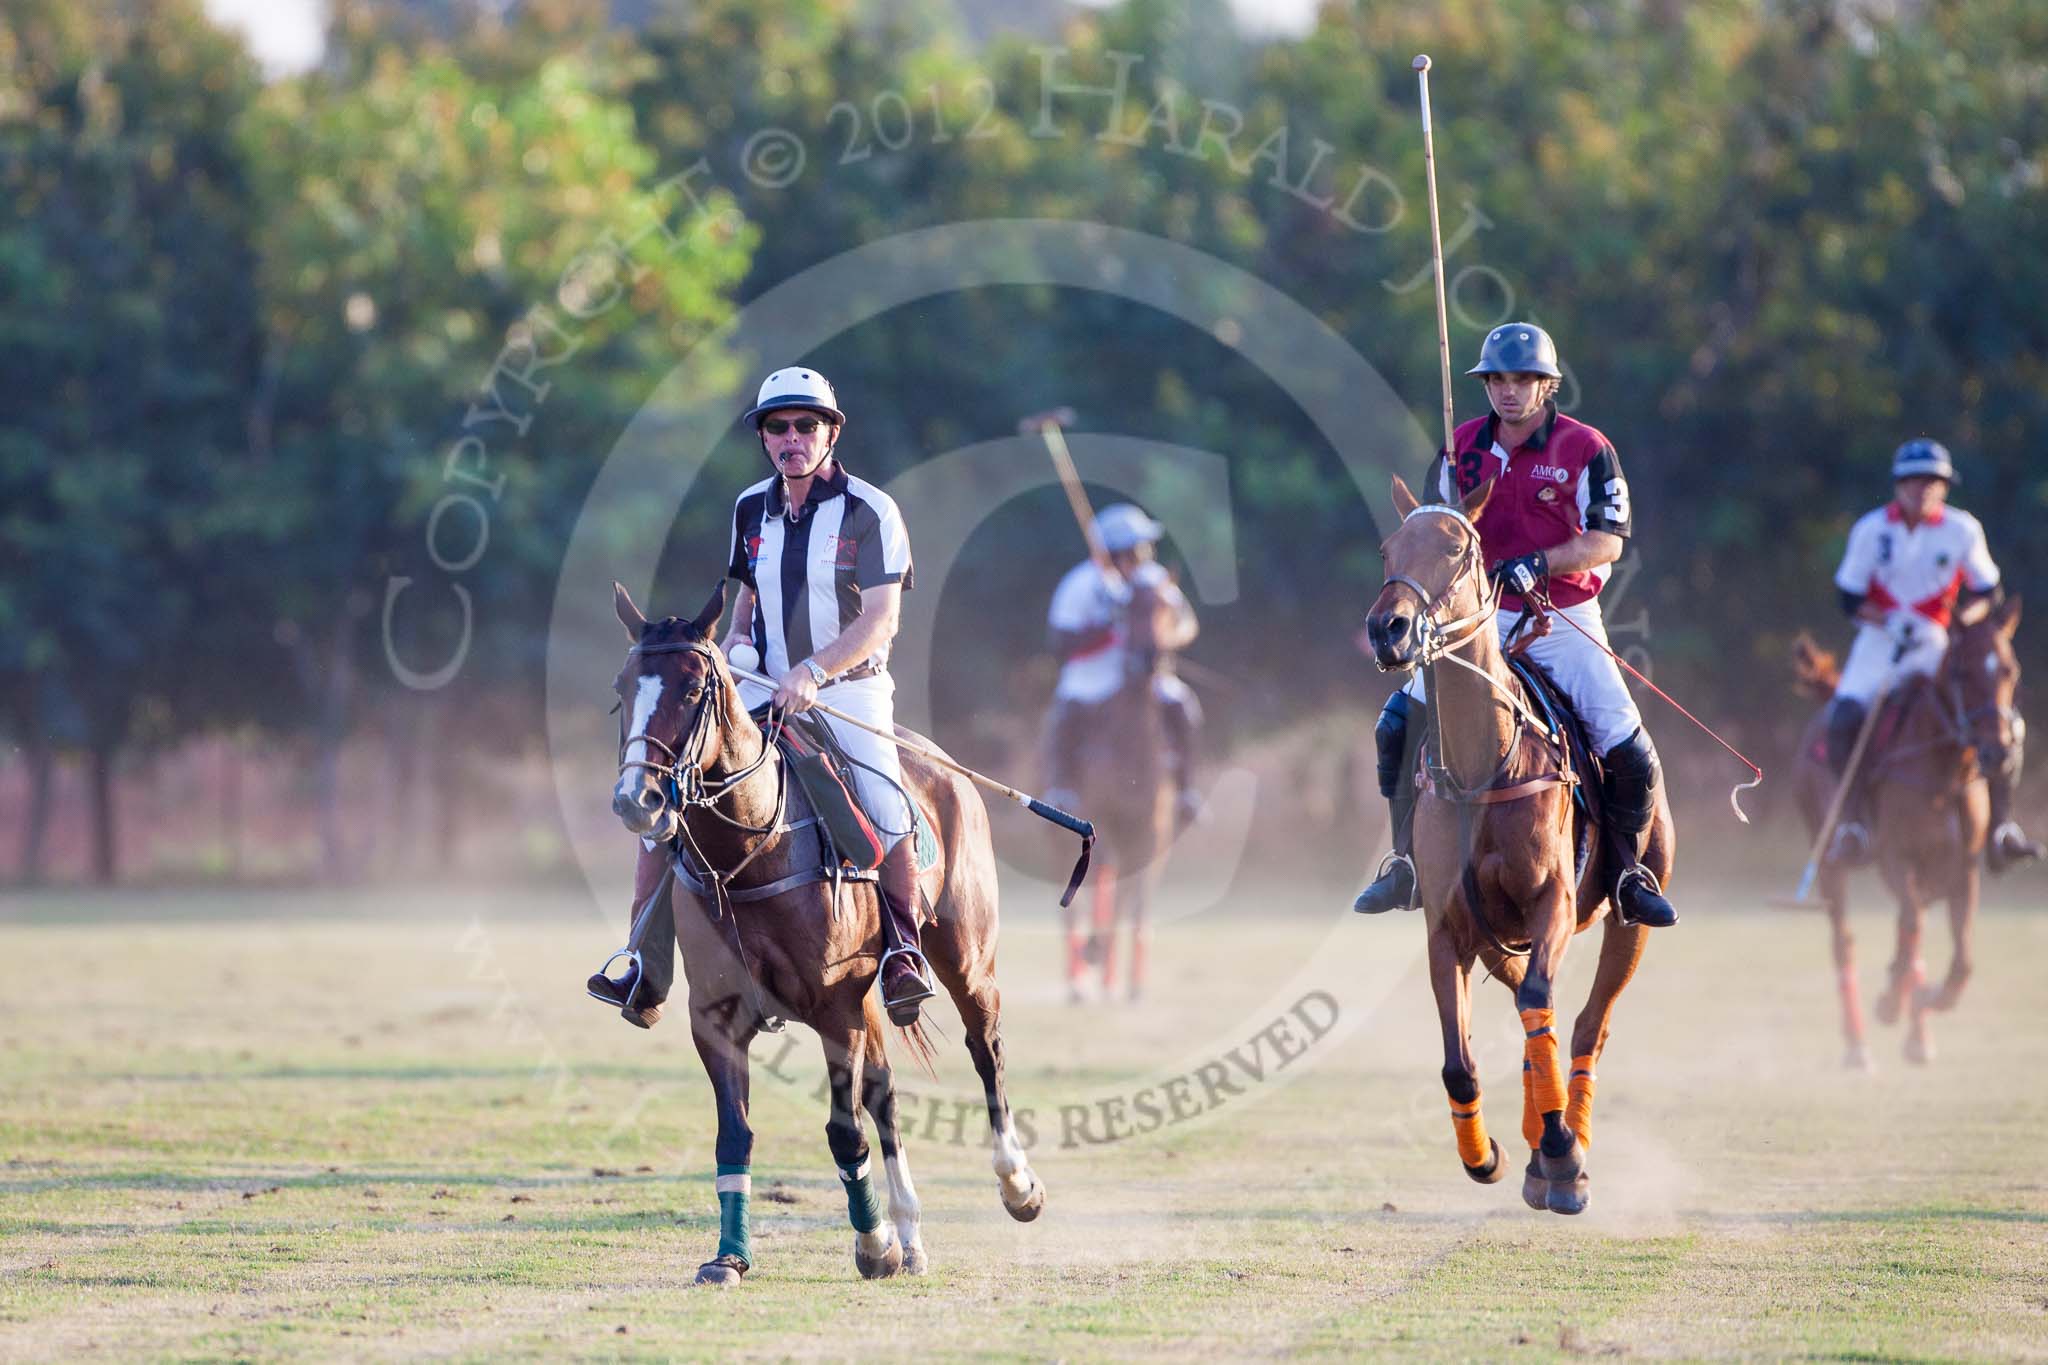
[[775, 426]]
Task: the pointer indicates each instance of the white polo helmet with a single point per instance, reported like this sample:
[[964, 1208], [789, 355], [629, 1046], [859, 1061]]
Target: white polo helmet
[[1122, 526], [795, 387]]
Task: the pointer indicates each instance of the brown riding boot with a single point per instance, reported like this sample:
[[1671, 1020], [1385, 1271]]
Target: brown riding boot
[[906, 976], [650, 948]]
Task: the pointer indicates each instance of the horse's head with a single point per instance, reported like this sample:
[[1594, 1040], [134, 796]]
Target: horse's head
[[1983, 674], [1436, 585], [674, 697]]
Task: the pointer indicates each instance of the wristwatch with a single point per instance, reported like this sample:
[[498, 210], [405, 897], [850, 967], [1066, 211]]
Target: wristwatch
[[818, 674]]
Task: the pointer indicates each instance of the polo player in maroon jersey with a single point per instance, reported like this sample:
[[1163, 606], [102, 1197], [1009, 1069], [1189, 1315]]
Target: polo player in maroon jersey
[[1558, 516]]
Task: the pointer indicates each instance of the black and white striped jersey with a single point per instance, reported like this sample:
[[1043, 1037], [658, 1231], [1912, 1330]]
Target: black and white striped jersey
[[807, 569]]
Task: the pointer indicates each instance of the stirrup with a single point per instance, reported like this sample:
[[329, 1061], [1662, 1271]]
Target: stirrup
[[907, 1004], [1388, 865], [622, 990], [2013, 842], [1850, 845], [1636, 872]]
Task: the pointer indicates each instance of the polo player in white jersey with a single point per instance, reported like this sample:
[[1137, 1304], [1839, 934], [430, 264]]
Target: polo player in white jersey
[[1908, 566], [823, 561]]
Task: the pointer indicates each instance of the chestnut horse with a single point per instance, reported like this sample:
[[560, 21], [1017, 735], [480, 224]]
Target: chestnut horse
[[798, 947], [1932, 812], [1494, 848], [1125, 783]]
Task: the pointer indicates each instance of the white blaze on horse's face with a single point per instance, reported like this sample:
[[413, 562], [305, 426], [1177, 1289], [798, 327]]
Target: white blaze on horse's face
[[646, 697]]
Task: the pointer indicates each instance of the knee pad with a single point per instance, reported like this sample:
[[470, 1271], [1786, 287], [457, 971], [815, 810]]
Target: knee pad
[[1632, 777], [1391, 735]]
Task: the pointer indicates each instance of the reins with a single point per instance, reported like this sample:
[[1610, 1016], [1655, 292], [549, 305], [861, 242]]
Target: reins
[[1439, 643]]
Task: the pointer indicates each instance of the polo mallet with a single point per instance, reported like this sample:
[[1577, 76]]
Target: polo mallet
[[1799, 900], [1436, 254], [1048, 425], [1043, 810]]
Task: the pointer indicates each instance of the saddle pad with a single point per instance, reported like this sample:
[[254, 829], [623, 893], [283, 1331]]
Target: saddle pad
[[1556, 708], [823, 775]]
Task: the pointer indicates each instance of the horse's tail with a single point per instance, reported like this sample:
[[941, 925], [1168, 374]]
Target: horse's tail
[[1814, 670], [915, 1039]]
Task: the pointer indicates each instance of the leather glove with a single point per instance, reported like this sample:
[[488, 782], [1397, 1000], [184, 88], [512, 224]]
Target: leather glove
[[1524, 574]]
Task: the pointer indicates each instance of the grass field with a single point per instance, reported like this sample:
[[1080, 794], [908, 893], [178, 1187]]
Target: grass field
[[238, 1124]]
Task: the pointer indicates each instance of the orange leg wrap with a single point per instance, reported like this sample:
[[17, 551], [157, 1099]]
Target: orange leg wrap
[[1546, 1075], [1578, 1109], [1474, 1148], [1532, 1122]]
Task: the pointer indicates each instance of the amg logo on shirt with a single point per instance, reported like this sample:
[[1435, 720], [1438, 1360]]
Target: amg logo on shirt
[[842, 551], [753, 552], [1549, 471]]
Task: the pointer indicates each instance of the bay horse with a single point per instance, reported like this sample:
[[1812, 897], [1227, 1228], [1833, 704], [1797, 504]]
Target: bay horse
[[1494, 849], [1124, 782], [764, 938], [1932, 809]]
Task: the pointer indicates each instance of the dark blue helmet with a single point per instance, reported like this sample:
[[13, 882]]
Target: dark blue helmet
[[1518, 348], [1922, 456]]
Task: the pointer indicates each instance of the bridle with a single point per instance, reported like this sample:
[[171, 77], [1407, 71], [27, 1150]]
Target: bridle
[[1439, 638], [682, 778]]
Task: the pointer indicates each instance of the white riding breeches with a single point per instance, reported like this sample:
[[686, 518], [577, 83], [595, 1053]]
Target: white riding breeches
[[1885, 656], [1588, 676], [872, 700]]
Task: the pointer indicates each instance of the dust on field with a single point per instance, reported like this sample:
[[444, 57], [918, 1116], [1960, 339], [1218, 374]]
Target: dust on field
[[380, 1126]]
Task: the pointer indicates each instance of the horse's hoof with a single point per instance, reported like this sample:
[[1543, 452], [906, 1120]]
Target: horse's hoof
[[915, 1262], [1858, 1058], [1569, 1196], [1562, 1169], [1033, 1204], [1493, 1170], [1919, 1049], [1535, 1189], [722, 1273], [885, 1260]]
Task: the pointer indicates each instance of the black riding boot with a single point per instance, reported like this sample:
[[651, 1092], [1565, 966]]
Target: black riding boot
[[1180, 724], [1395, 888], [906, 976], [2008, 843], [1632, 777], [1063, 754], [1851, 843]]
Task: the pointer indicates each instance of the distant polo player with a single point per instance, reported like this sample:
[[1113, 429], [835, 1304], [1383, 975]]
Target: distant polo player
[[1909, 566]]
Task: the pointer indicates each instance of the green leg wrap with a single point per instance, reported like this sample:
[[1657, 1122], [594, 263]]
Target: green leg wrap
[[735, 1189], [863, 1210]]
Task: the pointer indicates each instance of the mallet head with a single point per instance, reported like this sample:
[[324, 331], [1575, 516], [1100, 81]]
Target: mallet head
[[1421, 62]]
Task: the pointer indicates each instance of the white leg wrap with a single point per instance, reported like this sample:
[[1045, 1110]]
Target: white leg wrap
[[1012, 1168]]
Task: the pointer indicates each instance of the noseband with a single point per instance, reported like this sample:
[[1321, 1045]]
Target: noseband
[[1439, 638]]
